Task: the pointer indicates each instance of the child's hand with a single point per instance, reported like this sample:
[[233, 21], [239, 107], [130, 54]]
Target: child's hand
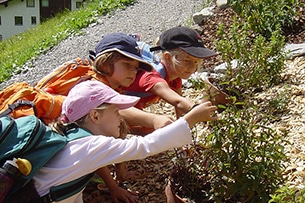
[[121, 195], [123, 174], [202, 112], [160, 121]]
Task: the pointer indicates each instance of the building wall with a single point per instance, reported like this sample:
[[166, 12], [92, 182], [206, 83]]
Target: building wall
[[74, 3], [17, 8]]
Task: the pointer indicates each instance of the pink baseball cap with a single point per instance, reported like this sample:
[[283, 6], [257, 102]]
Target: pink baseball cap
[[88, 95]]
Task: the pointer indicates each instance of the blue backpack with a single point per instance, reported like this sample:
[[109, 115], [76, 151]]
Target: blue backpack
[[29, 138]]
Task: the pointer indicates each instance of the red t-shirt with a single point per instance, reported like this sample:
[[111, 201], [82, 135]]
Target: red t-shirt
[[144, 82]]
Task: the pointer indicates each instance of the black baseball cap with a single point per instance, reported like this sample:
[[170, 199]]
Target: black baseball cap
[[123, 44], [186, 39]]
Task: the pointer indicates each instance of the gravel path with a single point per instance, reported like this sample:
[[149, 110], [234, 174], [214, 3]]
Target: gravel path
[[148, 18]]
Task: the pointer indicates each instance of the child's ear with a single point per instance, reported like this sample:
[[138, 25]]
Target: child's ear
[[94, 115], [167, 56], [105, 69]]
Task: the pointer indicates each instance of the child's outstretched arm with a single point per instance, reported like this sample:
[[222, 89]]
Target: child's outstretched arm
[[182, 105], [134, 116], [202, 112]]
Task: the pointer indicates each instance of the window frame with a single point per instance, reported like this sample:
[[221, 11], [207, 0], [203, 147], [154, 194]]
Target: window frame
[[18, 18], [33, 18], [30, 3]]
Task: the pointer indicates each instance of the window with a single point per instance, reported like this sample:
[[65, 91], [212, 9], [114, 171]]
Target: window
[[45, 3], [79, 4], [33, 20], [1, 38], [0, 20], [30, 3], [18, 20]]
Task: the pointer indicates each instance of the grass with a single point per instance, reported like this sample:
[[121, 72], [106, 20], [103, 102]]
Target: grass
[[25, 46]]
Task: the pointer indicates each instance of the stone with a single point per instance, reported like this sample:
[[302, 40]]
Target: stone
[[294, 50], [222, 4], [202, 15]]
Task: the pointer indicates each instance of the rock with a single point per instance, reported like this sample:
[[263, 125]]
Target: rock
[[222, 4], [294, 50], [201, 16]]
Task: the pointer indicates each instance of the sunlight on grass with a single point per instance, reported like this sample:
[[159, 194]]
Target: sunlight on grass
[[20, 48]]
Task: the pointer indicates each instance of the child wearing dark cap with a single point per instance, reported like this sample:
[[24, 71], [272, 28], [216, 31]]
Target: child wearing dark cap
[[182, 52]]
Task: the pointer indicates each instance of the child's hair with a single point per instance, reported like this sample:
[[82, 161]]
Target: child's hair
[[108, 58], [174, 53], [113, 47], [62, 128], [184, 38]]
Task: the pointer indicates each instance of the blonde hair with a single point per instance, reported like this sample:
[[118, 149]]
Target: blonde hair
[[108, 58], [173, 53], [60, 127], [176, 52]]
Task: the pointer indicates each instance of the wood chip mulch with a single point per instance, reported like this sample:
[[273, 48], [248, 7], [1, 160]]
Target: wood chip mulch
[[155, 170]]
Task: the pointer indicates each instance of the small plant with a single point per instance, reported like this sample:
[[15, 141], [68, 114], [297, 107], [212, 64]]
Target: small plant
[[259, 62], [245, 157], [239, 159], [287, 194], [278, 104], [264, 17]]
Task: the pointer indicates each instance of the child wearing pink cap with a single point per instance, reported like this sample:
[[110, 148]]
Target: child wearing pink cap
[[94, 108], [116, 60]]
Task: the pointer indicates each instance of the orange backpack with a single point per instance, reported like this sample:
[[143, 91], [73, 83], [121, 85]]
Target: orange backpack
[[67, 75], [20, 99], [45, 99]]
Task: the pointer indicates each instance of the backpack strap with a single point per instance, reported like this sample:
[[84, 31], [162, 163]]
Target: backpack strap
[[17, 104], [66, 190]]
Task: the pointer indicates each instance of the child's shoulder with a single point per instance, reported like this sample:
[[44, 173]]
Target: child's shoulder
[[146, 53]]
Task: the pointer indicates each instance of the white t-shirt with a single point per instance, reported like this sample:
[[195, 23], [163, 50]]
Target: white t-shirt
[[83, 156]]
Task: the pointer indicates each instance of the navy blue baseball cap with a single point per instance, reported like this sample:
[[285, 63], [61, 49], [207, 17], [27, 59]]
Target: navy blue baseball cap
[[186, 39], [123, 44]]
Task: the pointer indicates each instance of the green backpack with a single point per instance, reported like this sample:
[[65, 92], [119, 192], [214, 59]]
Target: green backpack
[[29, 138]]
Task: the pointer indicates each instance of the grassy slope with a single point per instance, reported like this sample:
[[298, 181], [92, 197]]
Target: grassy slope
[[25, 46]]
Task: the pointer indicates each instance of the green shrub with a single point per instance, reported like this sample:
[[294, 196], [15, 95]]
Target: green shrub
[[239, 159], [265, 16], [287, 194], [245, 156], [259, 61]]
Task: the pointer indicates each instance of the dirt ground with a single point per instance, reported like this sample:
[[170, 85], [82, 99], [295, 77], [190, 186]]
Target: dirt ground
[[154, 170]]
